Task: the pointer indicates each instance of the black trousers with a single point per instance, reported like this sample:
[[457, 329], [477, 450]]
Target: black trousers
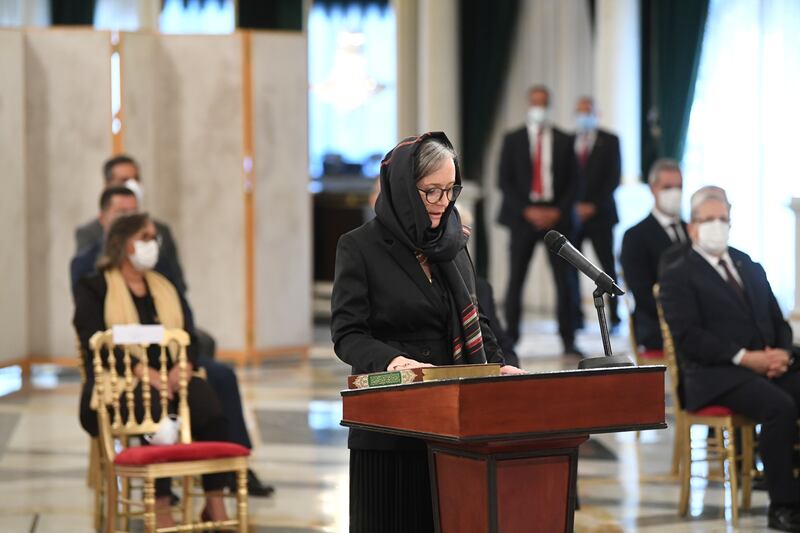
[[222, 379], [524, 239], [390, 492], [773, 404], [601, 235]]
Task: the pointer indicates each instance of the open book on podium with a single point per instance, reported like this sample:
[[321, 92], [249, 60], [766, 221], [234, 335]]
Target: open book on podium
[[503, 450], [414, 375]]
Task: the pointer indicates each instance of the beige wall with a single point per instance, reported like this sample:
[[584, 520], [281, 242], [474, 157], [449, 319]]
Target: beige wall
[[13, 259], [183, 113], [186, 125], [187, 130], [68, 114], [282, 201]]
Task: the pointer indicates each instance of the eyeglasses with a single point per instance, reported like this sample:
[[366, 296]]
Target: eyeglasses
[[434, 194], [724, 220]]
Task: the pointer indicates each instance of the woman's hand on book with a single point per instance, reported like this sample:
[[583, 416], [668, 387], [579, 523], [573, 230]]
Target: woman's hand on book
[[508, 370], [404, 363]]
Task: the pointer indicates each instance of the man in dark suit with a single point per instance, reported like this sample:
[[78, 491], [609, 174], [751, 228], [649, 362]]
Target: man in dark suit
[[538, 176], [599, 165], [734, 346], [644, 244], [123, 171]]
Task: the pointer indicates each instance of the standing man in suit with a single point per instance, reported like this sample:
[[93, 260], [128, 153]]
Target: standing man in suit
[[644, 244], [538, 176], [600, 168], [734, 346]]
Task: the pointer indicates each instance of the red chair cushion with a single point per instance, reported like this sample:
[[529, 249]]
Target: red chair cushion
[[174, 453], [712, 410], [652, 354]]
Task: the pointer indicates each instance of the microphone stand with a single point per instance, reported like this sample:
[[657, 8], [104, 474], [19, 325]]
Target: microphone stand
[[610, 360]]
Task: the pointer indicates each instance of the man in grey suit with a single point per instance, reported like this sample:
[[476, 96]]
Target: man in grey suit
[[123, 171]]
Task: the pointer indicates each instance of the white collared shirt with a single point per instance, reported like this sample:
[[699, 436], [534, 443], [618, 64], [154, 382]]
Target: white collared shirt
[[584, 140], [667, 222], [714, 262], [547, 153]]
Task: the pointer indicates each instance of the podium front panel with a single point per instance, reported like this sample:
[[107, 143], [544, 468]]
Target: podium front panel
[[543, 405]]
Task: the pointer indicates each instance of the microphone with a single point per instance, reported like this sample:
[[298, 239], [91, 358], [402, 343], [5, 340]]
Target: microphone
[[559, 245]]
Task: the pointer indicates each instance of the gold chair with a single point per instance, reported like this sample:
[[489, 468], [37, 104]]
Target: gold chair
[[95, 479], [184, 460], [720, 447], [652, 357]]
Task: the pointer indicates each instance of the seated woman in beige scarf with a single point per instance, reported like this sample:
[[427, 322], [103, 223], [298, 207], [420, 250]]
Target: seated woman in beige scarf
[[127, 291]]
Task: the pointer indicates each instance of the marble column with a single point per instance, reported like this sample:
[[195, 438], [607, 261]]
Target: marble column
[[407, 103], [616, 79], [437, 65], [795, 205]]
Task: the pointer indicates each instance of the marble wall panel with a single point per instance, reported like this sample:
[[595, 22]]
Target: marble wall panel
[[194, 179], [138, 52], [68, 135], [13, 259], [282, 200]]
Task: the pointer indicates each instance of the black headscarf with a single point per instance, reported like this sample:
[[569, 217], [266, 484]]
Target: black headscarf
[[401, 210]]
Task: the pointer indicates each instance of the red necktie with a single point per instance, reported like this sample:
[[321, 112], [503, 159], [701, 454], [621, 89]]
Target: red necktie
[[536, 184], [583, 156]]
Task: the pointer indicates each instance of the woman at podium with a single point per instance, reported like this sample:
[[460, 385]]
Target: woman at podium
[[404, 297]]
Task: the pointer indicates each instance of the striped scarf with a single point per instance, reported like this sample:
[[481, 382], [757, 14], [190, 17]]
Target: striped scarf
[[465, 320]]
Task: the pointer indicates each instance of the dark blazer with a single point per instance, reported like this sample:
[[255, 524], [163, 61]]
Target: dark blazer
[[516, 170], [642, 247], [710, 323], [91, 233], [601, 177], [383, 306]]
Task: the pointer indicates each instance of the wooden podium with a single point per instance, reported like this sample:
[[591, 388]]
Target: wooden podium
[[503, 450]]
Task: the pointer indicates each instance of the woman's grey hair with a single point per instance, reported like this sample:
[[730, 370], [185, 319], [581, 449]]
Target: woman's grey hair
[[122, 229], [660, 166], [704, 194], [432, 153]]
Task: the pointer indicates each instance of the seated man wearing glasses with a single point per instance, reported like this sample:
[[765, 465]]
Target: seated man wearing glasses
[[733, 344]]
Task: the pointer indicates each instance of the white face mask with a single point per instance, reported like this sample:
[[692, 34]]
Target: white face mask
[[712, 236], [585, 121], [145, 255], [537, 115], [668, 201], [134, 186]]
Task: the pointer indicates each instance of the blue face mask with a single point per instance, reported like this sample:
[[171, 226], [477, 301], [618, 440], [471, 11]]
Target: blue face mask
[[585, 121]]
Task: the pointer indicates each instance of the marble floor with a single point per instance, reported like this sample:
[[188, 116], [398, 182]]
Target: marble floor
[[293, 411]]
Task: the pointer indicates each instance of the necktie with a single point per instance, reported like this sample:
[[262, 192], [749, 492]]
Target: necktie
[[676, 229], [536, 183], [583, 153], [729, 277]]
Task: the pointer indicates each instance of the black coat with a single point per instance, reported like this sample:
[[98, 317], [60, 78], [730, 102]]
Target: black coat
[[516, 170], [383, 306], [710, 323], [89, 318], [642, 248], [601, 177]]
